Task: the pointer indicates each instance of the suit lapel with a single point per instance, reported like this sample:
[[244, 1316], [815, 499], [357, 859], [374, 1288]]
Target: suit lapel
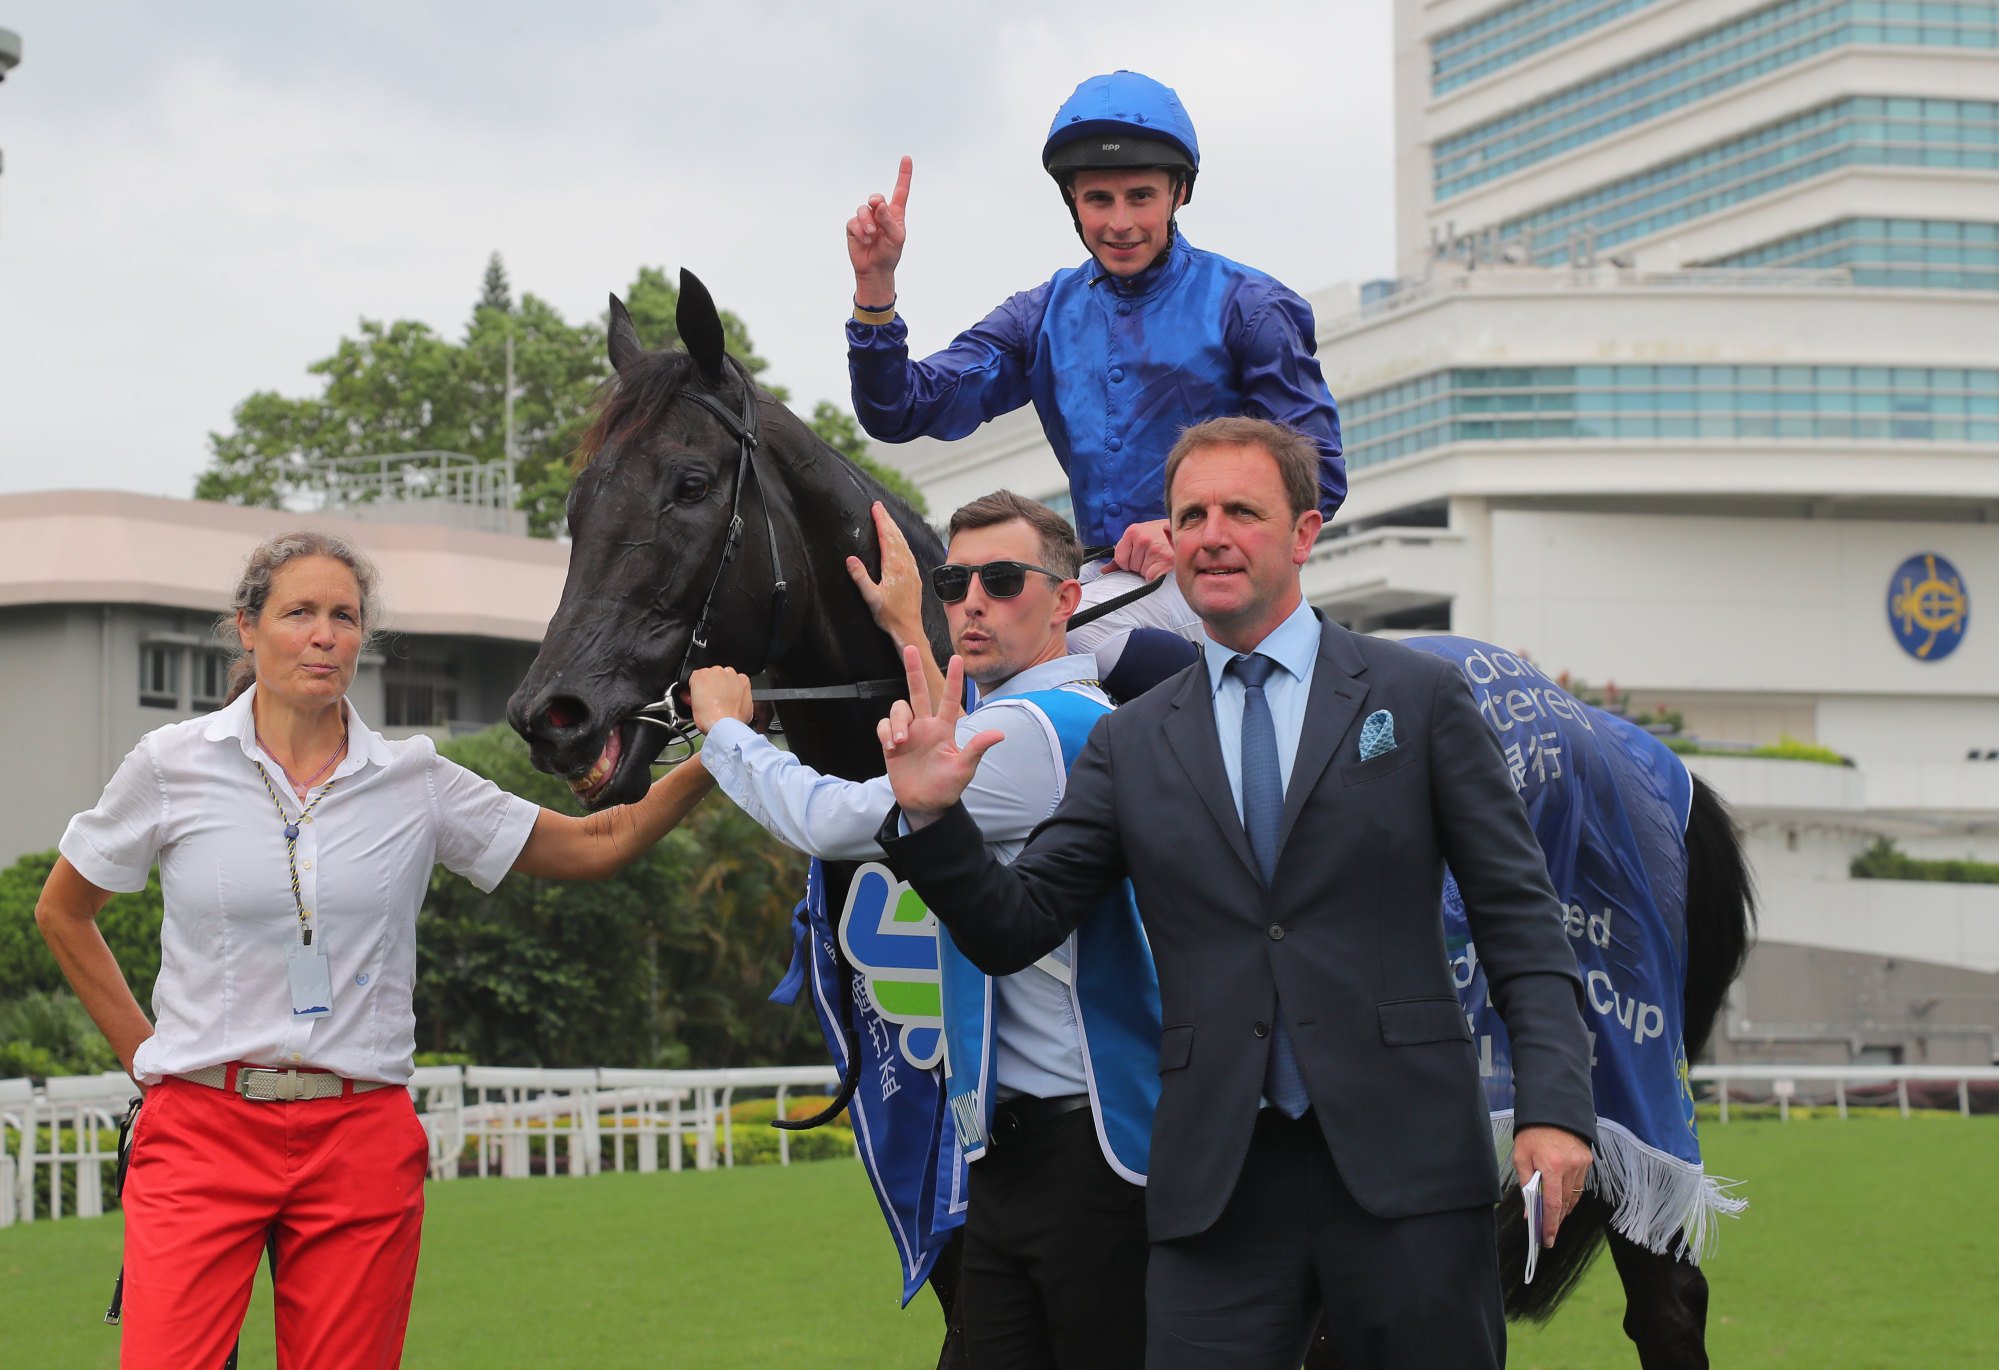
[[1336, 697], [1190, 732]]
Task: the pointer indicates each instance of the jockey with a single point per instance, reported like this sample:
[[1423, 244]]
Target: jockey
[[1117, 355]]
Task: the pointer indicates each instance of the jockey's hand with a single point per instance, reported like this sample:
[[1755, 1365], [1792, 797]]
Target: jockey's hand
[[1146, 549], [1563, 1159], [926, 767], [896, 600], [875, 236], [715, 693]]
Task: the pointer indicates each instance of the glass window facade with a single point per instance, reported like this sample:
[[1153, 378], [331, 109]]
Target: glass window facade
[[1741, 50], [1667, 403], [1863, 130], [1923, 254], [1497, 40]]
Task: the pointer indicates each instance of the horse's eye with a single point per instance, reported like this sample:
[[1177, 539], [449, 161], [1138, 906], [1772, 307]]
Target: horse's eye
[[690, 490]]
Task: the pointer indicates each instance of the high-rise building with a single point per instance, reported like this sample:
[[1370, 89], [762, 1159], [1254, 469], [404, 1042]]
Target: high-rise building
[[1687, 382]]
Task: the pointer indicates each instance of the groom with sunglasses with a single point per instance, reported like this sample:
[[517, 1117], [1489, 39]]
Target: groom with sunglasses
[[1052, 1072]]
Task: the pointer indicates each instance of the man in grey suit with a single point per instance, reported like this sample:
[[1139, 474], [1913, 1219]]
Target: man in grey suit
[[1285, 808]]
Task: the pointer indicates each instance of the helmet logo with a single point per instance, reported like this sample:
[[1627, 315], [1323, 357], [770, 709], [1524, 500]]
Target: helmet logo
[[1112, 147]]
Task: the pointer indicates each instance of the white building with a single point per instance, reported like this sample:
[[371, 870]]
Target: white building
[[108, 605], [10, 57], [1689, 380]]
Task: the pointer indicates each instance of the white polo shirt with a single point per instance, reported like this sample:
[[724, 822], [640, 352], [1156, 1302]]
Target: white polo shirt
[[189, 795]]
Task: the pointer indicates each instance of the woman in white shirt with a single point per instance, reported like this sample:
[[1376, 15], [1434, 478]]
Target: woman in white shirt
[[295, 846]]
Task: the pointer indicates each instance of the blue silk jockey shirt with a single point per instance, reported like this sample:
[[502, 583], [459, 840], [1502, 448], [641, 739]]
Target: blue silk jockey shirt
[[1036, 1048], [1115, 368]]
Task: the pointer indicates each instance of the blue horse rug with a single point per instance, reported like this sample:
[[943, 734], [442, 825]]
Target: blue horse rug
[[905, 1139], [1609, 803]]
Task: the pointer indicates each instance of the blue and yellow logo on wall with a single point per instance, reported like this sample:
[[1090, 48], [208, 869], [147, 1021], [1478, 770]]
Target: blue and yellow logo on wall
[[1928, 607]]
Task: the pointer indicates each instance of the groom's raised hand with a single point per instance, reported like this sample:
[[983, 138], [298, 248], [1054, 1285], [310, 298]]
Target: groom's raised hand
[[926, 766]]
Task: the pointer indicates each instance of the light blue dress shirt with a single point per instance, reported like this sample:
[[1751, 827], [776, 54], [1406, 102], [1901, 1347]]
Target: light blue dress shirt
[[1037, 1049], [1294, 646]]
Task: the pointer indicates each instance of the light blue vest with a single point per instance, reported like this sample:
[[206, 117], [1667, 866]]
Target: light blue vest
[[1113, 990]]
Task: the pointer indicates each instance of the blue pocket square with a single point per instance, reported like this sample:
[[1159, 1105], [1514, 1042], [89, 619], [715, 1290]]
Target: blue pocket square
[[1377, 734]]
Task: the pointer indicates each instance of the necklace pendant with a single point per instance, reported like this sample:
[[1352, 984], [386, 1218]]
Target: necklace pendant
[[291, 832]]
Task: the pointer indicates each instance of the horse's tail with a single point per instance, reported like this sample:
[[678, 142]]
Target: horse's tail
[[1560, 1266], [1721, 913]]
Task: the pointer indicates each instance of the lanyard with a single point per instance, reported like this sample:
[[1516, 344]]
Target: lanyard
[[291, 846]]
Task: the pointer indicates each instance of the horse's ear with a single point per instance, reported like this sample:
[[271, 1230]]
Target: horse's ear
[[700, 326], [626, 349]]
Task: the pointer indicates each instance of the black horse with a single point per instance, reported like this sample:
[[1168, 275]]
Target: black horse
[[712, 527]]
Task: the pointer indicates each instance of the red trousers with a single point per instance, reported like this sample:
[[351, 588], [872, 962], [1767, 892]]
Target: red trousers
[[337, 1182]]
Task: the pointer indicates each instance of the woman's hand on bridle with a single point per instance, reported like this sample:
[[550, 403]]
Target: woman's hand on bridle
[[717, 692]]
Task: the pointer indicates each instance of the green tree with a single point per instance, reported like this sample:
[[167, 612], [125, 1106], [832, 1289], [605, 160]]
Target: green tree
[[43, 1029], [48, 1033], [496, 293], [399, 387], [668, 963], [130, 924]]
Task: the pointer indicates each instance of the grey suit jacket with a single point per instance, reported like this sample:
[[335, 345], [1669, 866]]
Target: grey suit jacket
[[1348, 938]]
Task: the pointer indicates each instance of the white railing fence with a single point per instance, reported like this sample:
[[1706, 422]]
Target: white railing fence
[[482, 1120], [517, 1121], [1785, 1085]]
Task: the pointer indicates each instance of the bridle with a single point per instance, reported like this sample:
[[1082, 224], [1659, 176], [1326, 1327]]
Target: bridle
[[665, 712]]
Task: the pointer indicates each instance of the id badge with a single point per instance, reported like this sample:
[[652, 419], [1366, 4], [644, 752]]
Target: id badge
[[311, 982]]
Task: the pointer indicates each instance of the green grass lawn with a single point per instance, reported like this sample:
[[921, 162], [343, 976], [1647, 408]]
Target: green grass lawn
[[1870, 1243]]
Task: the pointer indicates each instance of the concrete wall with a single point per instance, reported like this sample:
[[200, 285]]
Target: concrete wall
[[1822, 1005], [1798, 607]]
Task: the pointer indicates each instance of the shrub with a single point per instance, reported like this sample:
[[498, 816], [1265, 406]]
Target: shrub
[[1885, 861], [46, 1032]]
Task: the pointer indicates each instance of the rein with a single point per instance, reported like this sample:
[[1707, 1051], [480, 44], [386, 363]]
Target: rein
[[664, 713], [1115, 602]]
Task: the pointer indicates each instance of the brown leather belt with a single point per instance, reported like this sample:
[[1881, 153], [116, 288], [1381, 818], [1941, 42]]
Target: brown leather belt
[[267, 1084]]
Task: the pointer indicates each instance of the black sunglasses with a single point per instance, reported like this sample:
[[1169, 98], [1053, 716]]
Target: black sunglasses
[[1001, 579]]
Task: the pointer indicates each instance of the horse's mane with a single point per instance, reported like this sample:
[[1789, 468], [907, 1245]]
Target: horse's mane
[[637, 399], [634, 399]]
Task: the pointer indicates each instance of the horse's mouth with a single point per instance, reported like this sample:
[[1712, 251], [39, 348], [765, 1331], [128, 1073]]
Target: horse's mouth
[[591, 785]]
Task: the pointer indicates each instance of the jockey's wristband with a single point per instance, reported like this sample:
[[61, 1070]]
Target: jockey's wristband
[[874, 314]]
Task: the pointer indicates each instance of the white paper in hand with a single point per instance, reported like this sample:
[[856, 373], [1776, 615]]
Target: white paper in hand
[[1530, 1195]]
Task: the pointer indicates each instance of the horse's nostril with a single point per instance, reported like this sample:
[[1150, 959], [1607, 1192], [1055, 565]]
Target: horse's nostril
[[564, 712]]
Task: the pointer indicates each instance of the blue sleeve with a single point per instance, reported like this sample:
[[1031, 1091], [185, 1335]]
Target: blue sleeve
[[981, 375], [1276, 355]]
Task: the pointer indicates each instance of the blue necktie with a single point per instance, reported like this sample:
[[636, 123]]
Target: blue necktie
[[1262, 816]]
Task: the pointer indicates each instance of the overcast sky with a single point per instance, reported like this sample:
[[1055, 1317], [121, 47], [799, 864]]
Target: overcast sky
[[200, 199]]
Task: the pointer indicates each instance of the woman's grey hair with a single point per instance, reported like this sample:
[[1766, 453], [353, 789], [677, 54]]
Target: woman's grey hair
[[253, 588]]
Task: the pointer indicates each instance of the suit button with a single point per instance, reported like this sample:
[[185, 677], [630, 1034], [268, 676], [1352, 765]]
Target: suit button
[[1117, 374], [1277, 932], [1124, 308], [1261, 1029]]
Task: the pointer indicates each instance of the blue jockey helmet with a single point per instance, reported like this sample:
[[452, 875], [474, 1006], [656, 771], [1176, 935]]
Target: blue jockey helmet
[[1118, 121]]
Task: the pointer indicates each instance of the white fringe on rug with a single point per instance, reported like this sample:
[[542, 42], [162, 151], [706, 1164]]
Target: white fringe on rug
[[1664, 1204]]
